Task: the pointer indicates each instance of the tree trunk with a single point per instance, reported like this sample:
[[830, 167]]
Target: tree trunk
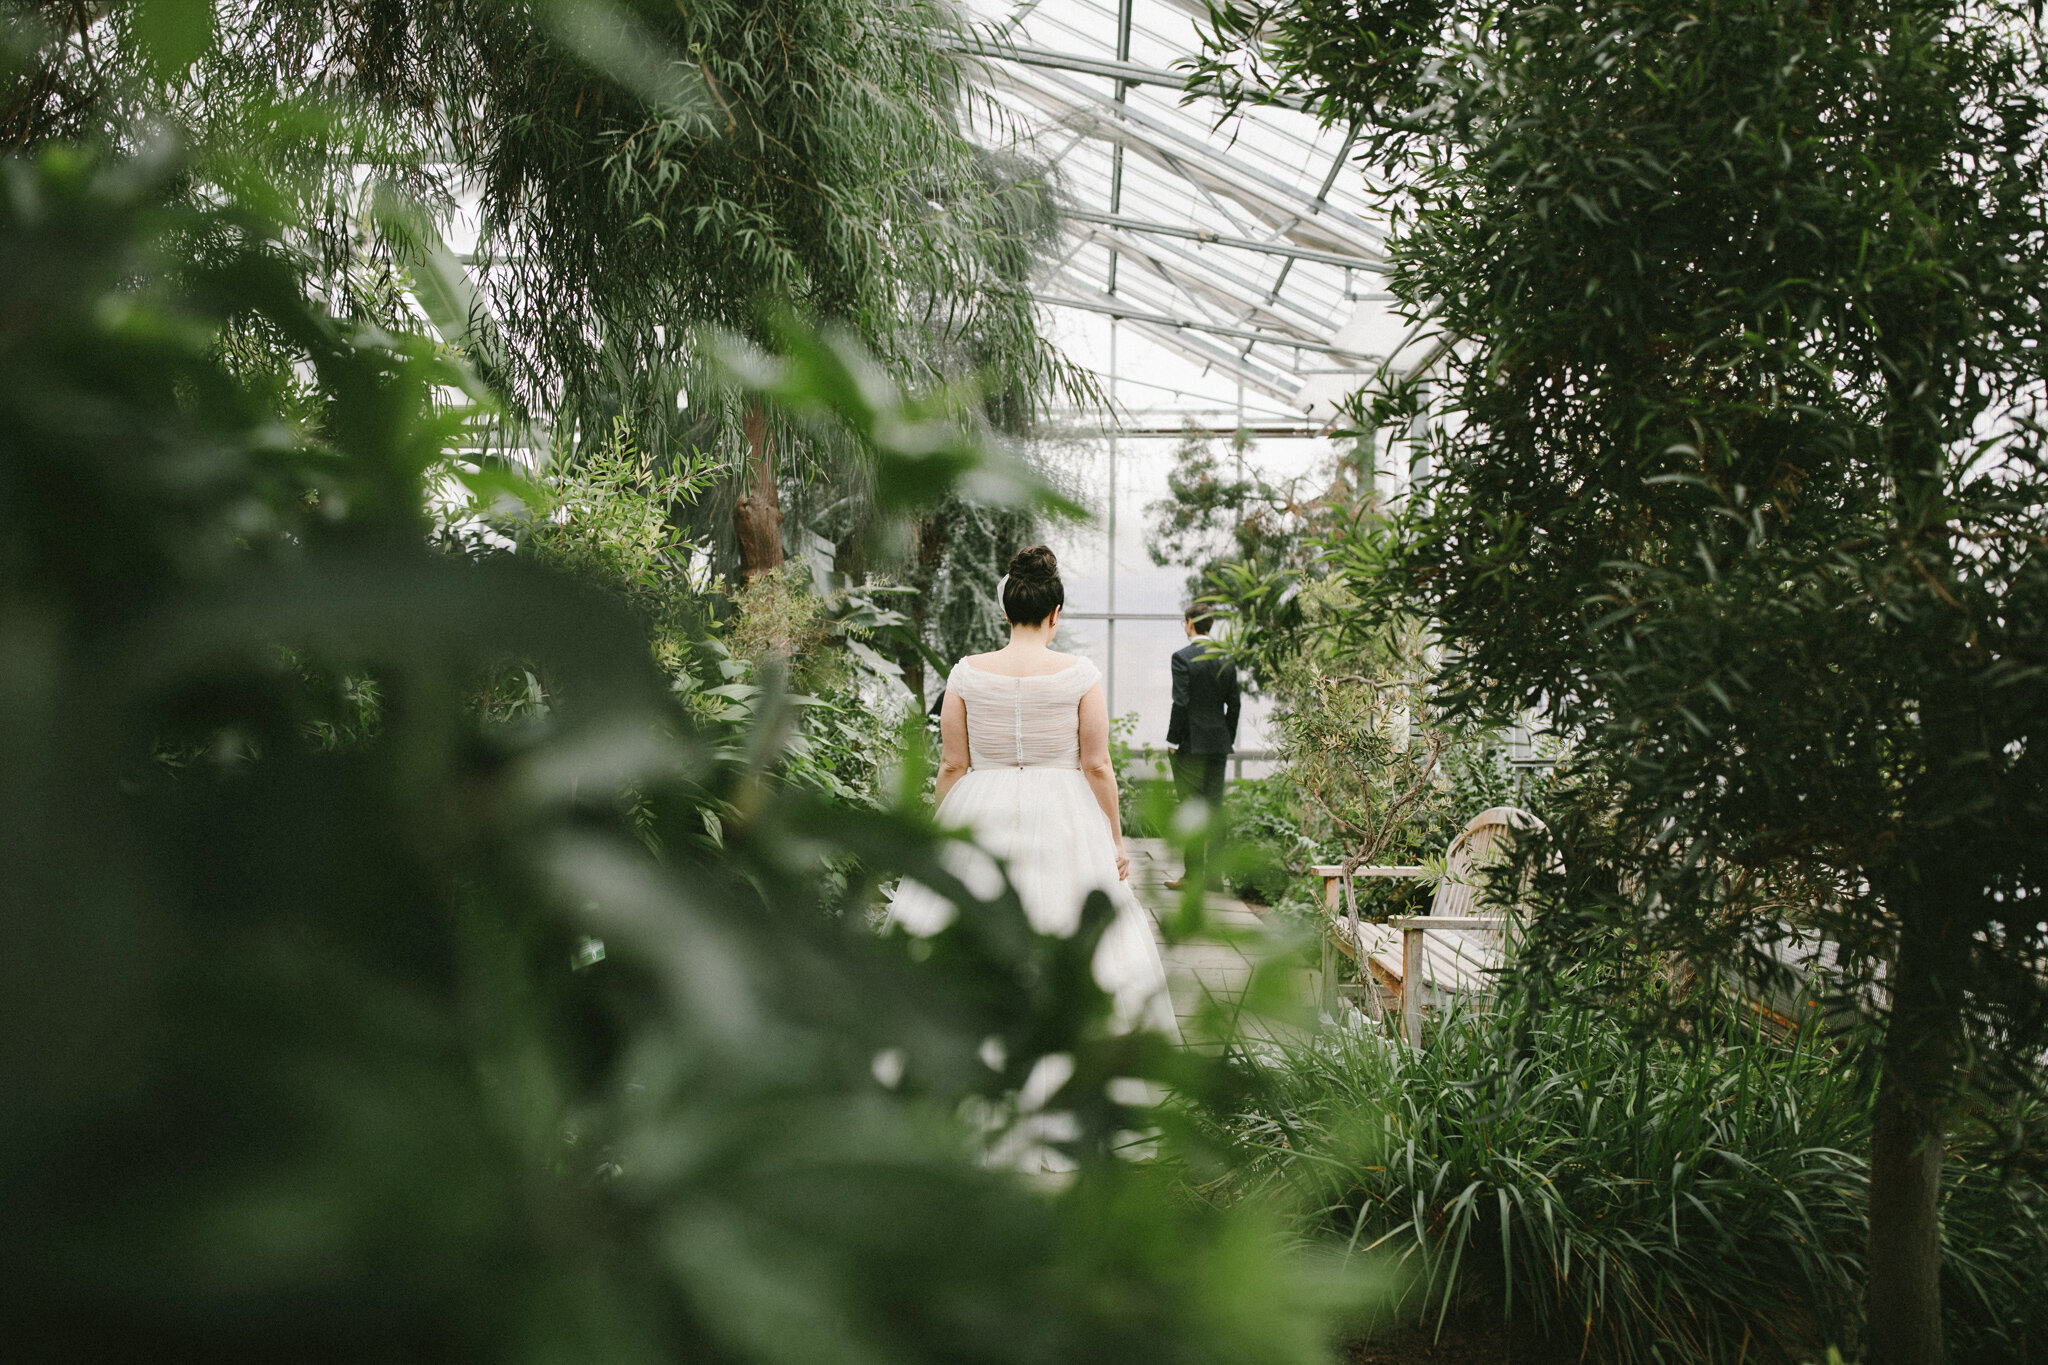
[[757, 517], [932, 530], [1903, 1293], [913, 663]]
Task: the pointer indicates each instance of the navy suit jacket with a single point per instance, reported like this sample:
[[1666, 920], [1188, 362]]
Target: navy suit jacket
[[1205, 701]]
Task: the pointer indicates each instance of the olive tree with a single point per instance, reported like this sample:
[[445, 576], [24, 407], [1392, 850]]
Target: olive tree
[[1740, 474]]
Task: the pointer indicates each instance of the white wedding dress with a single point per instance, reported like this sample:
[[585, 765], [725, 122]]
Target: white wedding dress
[[1025, 800]]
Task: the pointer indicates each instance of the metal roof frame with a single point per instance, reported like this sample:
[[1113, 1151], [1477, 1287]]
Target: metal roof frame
[[1113, 306], [1125, 223], [1230, 242], [1130, 73], [1123, 125]]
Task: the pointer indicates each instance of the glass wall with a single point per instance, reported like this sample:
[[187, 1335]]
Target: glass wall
[[1123, 610]]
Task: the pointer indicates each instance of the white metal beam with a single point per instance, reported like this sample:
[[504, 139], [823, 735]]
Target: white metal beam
[[1275, 384], [1259, 364], [1117, 308], [1209, 356], [1210, 308], [1188, 269], [1236, 174], [1130, 73], [1207, 171], [1193, 234]]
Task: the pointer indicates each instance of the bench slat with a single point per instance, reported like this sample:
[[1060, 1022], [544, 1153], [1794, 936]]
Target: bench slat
[[1494, 922]]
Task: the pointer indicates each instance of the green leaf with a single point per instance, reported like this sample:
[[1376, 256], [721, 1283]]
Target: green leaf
[[173, 34]]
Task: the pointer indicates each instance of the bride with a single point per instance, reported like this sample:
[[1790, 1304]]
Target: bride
[[1026, 768]]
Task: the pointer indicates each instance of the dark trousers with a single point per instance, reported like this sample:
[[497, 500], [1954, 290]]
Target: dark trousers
[[1199, 775]]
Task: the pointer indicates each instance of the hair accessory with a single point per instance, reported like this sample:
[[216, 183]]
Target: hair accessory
[[1001, 583]]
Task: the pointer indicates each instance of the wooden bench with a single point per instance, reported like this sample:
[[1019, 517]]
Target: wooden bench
[[1450, 951]]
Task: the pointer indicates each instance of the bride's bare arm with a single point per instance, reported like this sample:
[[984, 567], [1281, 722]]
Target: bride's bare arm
[[953, 759], [1100, 771]]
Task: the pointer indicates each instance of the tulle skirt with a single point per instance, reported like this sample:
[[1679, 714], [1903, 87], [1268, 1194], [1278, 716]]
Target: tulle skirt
[[1046, 825]]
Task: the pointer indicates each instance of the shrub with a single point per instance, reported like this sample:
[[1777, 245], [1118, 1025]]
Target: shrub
[[1139, 780], [1263, 822]]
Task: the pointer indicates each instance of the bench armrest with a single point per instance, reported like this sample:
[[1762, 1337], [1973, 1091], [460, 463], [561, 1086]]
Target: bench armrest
[[1333, 874]]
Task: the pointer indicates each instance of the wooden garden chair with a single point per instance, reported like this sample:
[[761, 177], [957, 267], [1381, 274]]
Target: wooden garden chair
[[1423, 960]]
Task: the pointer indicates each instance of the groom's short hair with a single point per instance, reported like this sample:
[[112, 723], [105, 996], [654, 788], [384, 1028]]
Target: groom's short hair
[[1200, 620]]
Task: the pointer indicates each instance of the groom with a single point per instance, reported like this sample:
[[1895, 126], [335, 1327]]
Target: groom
[[1203, 728]]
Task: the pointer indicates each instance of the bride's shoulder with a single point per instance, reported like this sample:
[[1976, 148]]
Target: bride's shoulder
[[969, 667], [1079, 664]]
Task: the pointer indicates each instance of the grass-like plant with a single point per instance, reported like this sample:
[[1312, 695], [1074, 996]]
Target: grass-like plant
[[1625, 1199]]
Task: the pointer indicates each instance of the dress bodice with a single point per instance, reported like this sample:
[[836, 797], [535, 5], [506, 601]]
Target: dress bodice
[[1023, 722]]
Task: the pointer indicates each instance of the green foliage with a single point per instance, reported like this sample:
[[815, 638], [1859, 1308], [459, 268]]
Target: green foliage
[[1372, 771], [804, 154], [1362, 761], [848, 734], [777, 618], [1138, 782], [962, 548], [606, 515], [1362, 754], [1201, 519], [1340, 58], [1740, 321], [851, 742], [642, 168], [953, 539], [472, 1037], [1703, 1200], [1213, 516], [1253, 546], [831, 375], [638, 171], [607, 519], [1755, 512], [1263, 817]]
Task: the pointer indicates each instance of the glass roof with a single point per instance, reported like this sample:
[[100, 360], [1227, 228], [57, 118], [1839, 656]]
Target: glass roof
[[1234, 254], [1220, 273]]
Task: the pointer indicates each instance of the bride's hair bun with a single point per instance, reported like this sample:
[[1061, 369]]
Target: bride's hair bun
[[1034, 586], [1034, 561]]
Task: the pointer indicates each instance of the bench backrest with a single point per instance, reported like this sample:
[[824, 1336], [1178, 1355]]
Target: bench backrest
[[1483, 844]]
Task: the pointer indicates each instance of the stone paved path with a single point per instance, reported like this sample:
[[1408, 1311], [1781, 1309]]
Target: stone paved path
[[1194, 971]]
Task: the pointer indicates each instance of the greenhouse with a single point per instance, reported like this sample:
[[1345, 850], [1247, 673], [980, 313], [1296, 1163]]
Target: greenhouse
[[1216, 275], [819, 682]]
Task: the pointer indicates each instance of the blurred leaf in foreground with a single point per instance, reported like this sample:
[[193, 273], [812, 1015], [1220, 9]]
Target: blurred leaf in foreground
[[306, 1050]]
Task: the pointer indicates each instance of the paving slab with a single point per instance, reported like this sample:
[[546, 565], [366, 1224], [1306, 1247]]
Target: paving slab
[[1198, 971]]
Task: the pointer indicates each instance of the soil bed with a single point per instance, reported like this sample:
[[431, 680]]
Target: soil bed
[[1475, 1337]]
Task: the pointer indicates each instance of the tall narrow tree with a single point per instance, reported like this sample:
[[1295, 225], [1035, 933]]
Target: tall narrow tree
[[1748, 305]]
